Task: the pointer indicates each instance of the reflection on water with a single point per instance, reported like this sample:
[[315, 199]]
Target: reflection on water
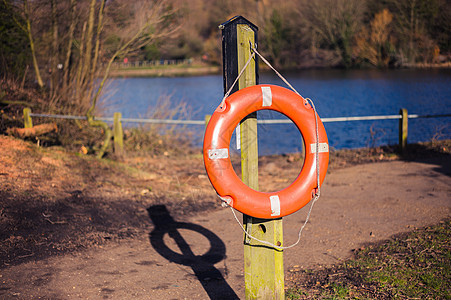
[[336, 93]]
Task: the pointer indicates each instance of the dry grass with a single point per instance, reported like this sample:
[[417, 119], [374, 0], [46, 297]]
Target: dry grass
[[78, 136]]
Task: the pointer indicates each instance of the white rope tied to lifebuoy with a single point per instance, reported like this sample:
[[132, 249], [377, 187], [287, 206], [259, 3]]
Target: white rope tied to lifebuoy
[[318, 193], [227, 94]]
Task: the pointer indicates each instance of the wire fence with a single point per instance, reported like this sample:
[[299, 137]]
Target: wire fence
[[124, 120], [118, 133], [269, 121]]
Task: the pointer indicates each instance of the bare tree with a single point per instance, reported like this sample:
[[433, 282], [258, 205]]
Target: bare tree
[[72, 19], [411, 18], [72, 35], [336, 22], [375, 44], [150, 22], [25, 9]]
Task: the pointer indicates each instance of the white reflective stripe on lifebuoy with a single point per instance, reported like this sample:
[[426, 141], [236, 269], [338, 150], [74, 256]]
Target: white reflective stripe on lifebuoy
[[322, 147], [275, 205], [266, 95], [218, 153], [238, 137]]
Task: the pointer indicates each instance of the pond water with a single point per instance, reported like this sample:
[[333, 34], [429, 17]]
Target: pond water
[[336, 93]]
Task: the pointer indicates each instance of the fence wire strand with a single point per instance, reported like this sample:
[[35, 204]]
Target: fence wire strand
[[269, 121]]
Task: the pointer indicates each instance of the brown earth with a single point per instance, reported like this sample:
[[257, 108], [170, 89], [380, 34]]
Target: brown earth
[[72, 226]]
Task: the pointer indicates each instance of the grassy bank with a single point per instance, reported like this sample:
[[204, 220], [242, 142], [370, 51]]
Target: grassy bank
[[165, 71], [200, 69], [416, 265]]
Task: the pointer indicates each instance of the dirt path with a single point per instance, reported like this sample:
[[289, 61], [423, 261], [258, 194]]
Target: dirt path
[[202, 256]]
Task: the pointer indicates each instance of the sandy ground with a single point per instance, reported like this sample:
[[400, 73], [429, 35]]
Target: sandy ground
[[201, 256]]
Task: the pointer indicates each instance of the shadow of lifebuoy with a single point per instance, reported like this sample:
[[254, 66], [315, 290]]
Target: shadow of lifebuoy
[[202, 265]]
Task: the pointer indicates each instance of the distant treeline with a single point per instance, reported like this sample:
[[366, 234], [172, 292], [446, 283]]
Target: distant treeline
[[318, 33], [292, 33]]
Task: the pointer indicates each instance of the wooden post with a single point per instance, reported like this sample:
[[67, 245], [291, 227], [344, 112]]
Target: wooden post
[[118, 134], [263, 266], [27, 122], [207, 119], [403, 124]]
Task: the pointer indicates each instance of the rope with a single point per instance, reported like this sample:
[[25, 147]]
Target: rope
[[278, 74], [318, 193], [236, 79]]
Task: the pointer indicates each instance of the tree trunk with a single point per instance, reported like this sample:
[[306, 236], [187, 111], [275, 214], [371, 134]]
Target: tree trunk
[[55, 55], [78, 84], [33, 131], [97, 46], [30, 39], [87, 62], [70, 41], [90, 75]]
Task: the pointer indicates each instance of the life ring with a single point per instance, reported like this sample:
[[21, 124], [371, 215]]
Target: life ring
[[217, 161]]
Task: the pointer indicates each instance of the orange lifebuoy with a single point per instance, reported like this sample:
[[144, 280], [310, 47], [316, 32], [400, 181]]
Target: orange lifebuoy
[[217, 159]]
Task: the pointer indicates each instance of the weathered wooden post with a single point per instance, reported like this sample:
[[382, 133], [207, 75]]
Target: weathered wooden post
[[27, 122], [207, 119], [263, 266], [118, 134], [403, 123]]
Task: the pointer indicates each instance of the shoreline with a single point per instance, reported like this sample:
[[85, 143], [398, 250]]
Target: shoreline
[[214, 70], [165, 72]]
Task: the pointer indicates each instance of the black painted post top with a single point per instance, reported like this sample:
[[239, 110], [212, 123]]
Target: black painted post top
[[230, 50]]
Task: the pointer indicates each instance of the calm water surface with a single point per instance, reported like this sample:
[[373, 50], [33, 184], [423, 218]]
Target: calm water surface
[[336, 93]]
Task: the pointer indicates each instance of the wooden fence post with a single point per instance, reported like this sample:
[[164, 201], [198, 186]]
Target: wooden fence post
[[118, 134], [403, 129], [207, 119], [263, 266], [27, 122]]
